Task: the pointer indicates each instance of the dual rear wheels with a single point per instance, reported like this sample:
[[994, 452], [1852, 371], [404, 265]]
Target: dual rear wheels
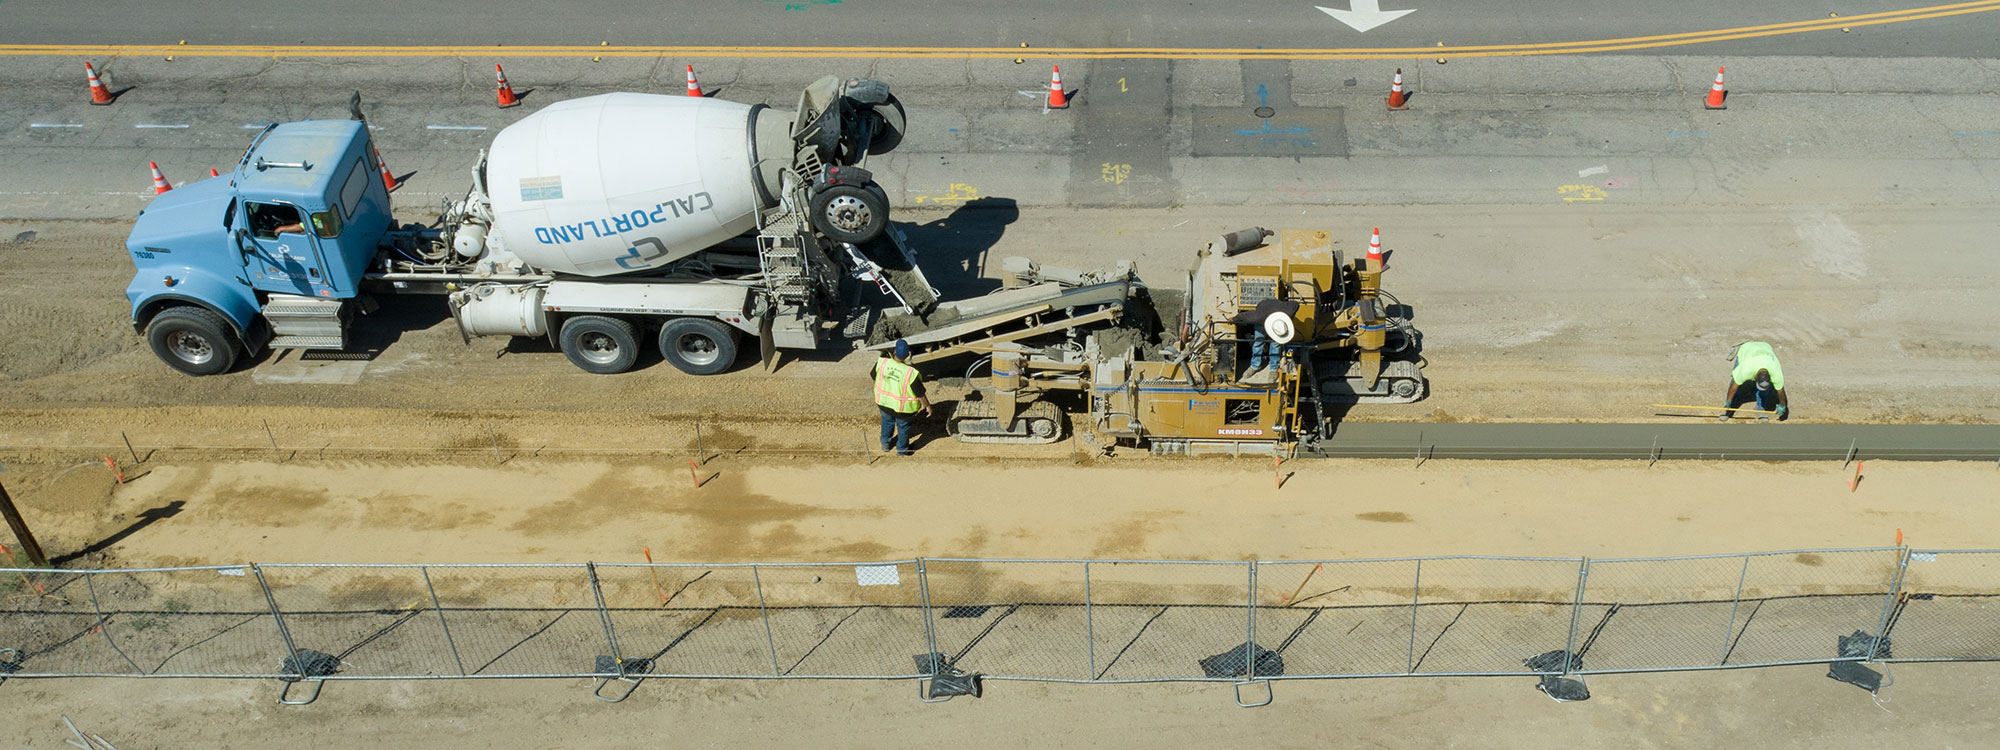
[[606, 346]]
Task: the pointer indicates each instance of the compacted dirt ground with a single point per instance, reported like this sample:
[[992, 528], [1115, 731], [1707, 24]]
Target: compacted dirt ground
[[1931, 705], [220, 505], [430, 450], [1541, 331], [754, 508]]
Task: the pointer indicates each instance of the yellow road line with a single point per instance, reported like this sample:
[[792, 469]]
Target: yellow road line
[[749, 52]]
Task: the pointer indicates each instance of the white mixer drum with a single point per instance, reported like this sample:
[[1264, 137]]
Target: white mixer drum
[[618, 183]]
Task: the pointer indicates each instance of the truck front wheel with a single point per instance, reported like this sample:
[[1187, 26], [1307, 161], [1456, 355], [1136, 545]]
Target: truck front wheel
[[194, 340], [853, 214], [600, 345], [698, 346]]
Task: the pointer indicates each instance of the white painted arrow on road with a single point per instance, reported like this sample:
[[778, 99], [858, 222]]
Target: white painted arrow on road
[[1365, 14]]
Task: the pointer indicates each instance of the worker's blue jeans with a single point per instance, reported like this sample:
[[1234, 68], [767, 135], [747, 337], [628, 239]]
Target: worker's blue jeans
[[1747, 392], [1263, 351], [895, 427]]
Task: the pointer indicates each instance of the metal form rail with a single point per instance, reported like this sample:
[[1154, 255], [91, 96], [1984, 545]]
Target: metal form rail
[[1747, 442]]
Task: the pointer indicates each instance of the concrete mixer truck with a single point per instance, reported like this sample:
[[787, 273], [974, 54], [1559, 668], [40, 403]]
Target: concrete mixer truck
[[598, 223]]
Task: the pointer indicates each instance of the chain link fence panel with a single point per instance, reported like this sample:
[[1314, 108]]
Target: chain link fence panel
[[1024, 619], [687, 620], [1654, 614], [191, 621], [375, 621], [1155, 620], [845, 620], [1339, 618], [1800, 603], [522, 620], [1948, 608], [53, 627], [1070, 620], [1485, 615]]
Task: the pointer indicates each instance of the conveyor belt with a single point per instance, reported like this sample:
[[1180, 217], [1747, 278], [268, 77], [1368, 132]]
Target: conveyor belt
[[1750, 441]]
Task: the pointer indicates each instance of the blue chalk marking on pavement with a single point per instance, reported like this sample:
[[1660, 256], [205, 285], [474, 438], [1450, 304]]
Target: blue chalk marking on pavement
[[1264, 100]]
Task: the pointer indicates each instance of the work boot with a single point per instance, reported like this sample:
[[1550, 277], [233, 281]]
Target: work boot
[[1266, 376]]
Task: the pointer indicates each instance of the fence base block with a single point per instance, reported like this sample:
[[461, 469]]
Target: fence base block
[[1854, 674], [1564, 689]]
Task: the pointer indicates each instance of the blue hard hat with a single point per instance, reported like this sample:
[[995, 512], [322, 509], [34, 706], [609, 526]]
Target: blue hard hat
[[902, 349]]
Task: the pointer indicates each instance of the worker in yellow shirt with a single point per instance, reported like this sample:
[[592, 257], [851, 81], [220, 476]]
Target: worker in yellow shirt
[[899, 393], [1755, 376]]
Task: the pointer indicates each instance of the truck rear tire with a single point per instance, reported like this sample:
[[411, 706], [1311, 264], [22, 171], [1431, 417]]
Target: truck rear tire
[[853, 214], [194, 340], [698, 346], [600, 345]]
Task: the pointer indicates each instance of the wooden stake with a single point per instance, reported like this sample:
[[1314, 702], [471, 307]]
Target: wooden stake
[[692, 477], [1302, 582], [275, 453], [699, 451], [657, 588], [496, 444], [128, 447], [1855, 481], [21, 532]]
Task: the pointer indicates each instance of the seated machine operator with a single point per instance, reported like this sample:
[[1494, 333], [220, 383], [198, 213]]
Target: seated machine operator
[[1264, 356]]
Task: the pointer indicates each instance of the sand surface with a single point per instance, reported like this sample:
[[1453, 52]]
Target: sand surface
[[760, 509]]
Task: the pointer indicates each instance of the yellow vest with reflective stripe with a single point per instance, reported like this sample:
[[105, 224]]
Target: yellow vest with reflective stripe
[[1753, 356], [892, 386]]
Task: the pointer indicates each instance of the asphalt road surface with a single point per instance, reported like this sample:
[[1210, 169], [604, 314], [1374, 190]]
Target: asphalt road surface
[[1722, 27]]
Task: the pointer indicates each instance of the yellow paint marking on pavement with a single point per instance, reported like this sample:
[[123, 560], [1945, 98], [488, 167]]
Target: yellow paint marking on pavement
[[1477, 51], [959, 192], [1581, 193]]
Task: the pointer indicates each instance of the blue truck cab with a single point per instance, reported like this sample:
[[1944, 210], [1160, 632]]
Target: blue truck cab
[[271, 253]]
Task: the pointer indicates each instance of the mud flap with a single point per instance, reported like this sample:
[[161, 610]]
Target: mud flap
[[767, 346]]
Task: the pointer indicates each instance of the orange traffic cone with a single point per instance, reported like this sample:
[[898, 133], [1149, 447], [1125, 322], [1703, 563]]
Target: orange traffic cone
[[388, 180], [159, 180], [98, 93], [213, 173], [1397, 101], [1375, 250], [694, 89], [505, 95], [1058, 98], [1715, 93]]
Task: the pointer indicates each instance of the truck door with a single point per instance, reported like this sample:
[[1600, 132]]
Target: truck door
[[280, 253]]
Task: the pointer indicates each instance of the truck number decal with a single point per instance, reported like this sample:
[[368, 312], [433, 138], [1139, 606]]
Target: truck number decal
[[622, 223]]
